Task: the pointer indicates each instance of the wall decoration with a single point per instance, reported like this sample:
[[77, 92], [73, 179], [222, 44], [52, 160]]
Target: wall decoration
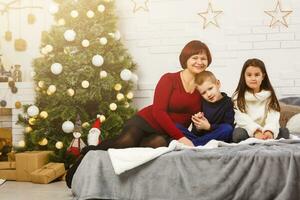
[[210, 16], [140, 5], [278, 15]]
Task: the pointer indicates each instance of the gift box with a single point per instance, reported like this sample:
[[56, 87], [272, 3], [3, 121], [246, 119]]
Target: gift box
[[7, 165], [30, 161], [11, 156], [8, 174], [48, 173]]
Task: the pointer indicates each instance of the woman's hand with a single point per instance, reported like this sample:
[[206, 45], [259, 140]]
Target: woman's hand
[[269, 135], [186, 141]]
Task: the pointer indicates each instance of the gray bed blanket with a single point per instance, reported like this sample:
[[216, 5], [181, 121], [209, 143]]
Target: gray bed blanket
[[268, 171]]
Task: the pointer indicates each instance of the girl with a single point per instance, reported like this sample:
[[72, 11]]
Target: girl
[[257, 109]]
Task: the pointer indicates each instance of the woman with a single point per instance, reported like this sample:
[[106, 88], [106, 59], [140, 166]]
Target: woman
[[175, 101]]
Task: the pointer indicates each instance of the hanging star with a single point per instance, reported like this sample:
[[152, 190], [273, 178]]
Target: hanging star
[[210, 16], [278, 15], [140, 5]]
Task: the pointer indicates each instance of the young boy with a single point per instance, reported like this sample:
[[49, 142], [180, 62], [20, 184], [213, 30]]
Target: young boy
[[217, 116]]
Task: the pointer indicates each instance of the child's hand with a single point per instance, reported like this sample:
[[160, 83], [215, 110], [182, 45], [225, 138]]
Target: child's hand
[[259, 135], [201, 123], [268, 135]]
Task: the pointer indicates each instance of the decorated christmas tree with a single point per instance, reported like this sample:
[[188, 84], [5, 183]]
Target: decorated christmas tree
[[84, 72]]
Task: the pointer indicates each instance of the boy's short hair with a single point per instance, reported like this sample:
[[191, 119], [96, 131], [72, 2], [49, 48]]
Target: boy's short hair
[[205, 76]]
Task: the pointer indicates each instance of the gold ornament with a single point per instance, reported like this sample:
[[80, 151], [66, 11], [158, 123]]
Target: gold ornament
[[61, 22], [126, 105], [18, 104], [41, 84], [48, 92], [43, 142], [113, 106], [31, 121], [44, 114], [90, 14], [20, 44], [21, 143], [103, 74], [70, 92], [129, 95], [118, 87], [120, 96], [52, 88], [8, 36], [210, 16], [85, 84], [85, 125], [59, 145], [28, 129], [140, 5], [278, 15], [102, 118]]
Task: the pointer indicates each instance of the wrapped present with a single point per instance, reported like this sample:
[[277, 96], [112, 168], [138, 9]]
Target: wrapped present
[[48, 173], [30, 161], [8, 174], [7, 165]]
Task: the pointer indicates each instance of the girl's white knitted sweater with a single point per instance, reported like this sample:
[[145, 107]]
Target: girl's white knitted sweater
[[257, 115]]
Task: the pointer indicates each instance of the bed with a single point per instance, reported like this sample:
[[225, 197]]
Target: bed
[[259, 171]]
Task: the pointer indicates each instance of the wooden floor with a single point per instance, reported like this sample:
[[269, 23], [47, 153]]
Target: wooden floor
[[12, 190]]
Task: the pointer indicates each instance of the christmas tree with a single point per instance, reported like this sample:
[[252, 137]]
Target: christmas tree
[[84, 71]]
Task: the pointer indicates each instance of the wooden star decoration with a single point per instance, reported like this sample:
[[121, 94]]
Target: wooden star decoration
[[210, 16], [278, 15], [138, 5]]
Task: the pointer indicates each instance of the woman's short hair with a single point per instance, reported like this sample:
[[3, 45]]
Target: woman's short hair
[[192, 48]]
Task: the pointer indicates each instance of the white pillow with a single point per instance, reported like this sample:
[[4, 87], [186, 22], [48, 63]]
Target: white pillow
[[294, 124]]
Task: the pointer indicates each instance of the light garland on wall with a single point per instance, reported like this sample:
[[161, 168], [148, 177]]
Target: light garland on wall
[[140, 5], [278, 15], [210, 16]]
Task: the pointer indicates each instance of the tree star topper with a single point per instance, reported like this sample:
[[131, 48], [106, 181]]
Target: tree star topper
[[278, 15], [210, 16], [138, 5]]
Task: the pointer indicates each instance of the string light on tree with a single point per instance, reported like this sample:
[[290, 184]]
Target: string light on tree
[[51, 89], [61, 22], [43, 142], [210, 16], [101, 8], [28, 129], [118, 87], [113, 106], [129, 95], [103, 74], [70, 92], [120, 96], [85, 43], [90, 14], [85, 84], [278, 15], [102, 118], [41, 84], [74, 13], [59, 145], [43, 114]]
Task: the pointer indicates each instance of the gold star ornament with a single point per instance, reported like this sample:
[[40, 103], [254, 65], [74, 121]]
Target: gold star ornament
[[210, 16], [278, 15], [140, 5]]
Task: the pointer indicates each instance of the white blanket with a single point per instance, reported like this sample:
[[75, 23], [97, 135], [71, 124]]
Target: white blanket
[[125, 159]]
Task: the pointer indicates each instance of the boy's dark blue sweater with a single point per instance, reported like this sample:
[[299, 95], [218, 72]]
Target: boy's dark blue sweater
[[216, 113]]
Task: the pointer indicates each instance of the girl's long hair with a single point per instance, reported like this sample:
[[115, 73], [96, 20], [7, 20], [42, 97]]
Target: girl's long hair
[[265, 85]]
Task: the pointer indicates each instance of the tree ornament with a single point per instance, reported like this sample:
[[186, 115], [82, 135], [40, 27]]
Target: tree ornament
[[53, 9], [126, 105], [117, 35], [18, 104], [28, 129], [102, 118], [120, 96], [210, 16], [125, 74], [41, 84], [85, 125], [70, 35], [31, 121], [85, 43], [67, 127], [21, 143], [85, 84], [129, 95], [44, 51], [103, 40], [43, 142], [56, 68], [77, 143], [103, 74], [14, 90], [74, 13], [3, 103], [70, 92], [61, 22], [59, 145], [44, 114], [90, 14], [97, 60], [94, 136], [52, 88], [101, 8], [113, 106], [49, 48], [32, 111], [118, 87]]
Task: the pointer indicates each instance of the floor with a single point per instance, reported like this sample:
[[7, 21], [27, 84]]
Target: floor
[[12, 190]]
